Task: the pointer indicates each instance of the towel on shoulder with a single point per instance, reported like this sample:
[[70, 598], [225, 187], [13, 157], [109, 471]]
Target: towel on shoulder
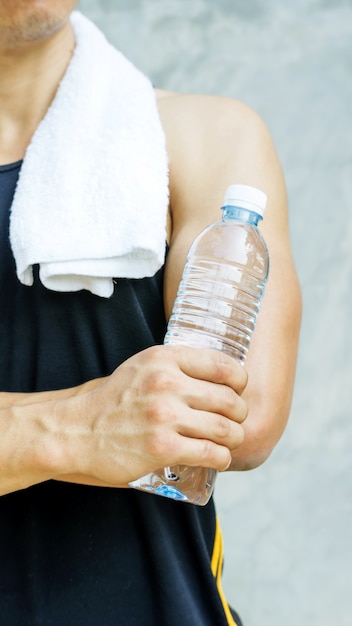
[[92, 198]]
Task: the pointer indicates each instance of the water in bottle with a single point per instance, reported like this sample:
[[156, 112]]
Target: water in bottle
[[217, 304]]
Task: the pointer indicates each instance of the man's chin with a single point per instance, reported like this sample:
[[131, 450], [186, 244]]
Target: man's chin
[[33, 22]]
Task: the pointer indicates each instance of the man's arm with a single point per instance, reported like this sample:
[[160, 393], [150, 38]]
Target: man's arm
[[214, 142], [165, 406], [162, 406]]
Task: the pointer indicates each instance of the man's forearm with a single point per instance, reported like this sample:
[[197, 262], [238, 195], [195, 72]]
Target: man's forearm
[[31, 448]]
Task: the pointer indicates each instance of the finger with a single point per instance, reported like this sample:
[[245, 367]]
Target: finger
[[219, 399], [204, 453], [212, 427], [210, 365]]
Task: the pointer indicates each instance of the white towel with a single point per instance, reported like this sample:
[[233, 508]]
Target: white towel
[[92, 197]]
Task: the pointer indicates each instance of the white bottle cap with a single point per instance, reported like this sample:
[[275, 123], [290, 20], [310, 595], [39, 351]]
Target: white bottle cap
[[245, 197]]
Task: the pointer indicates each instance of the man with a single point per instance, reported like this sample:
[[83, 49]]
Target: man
[[89, 403]]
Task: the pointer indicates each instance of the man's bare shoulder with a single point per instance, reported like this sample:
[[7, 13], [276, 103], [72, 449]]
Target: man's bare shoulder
[[209, 122], [188, 104], [209, 134]]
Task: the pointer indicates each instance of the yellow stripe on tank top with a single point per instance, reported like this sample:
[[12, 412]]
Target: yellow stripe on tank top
[[216, 568]]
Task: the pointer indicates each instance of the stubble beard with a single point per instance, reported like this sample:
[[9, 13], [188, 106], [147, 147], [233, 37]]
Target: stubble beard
[[31, 28]]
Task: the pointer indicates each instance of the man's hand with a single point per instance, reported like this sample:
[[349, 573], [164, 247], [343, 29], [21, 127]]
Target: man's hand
[[166, 405]]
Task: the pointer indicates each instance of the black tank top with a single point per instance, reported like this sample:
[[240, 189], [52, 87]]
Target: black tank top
[[73, 555]]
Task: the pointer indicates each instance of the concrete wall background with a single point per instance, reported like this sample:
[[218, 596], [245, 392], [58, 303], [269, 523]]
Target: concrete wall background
[[288, 524]]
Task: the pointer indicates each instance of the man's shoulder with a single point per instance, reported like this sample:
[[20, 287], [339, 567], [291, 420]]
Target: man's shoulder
[[203, 105], [205, 132]]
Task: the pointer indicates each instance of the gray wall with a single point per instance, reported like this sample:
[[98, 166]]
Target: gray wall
[[288, 524]]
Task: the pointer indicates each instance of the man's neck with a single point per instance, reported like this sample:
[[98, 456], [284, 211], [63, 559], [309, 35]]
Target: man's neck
[[29, 78]]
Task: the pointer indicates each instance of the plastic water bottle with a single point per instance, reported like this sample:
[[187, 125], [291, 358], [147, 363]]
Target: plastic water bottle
[[217, 304]]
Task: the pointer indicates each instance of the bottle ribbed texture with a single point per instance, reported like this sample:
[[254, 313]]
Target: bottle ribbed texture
[[203, 313]]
